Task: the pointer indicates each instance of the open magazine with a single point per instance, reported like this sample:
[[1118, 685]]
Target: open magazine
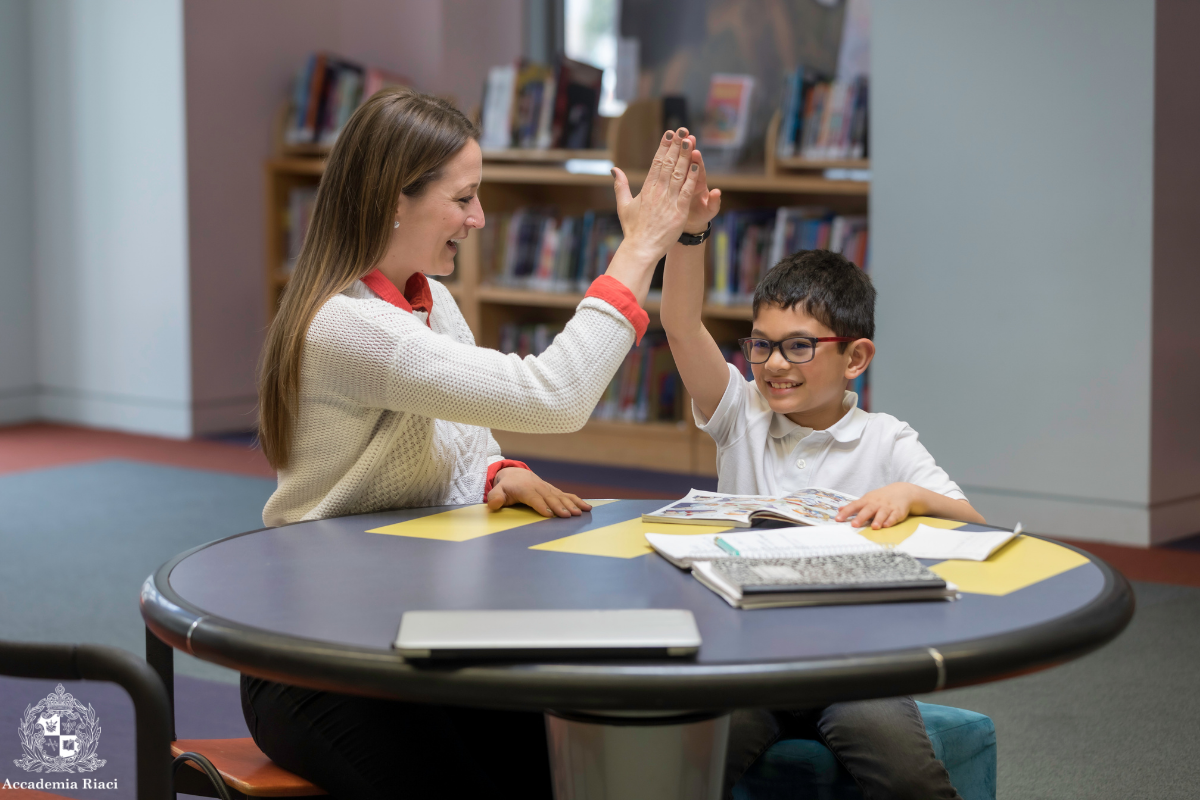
[[806, 507]]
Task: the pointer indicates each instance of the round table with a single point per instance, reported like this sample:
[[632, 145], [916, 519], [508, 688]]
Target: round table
[[318, 604]]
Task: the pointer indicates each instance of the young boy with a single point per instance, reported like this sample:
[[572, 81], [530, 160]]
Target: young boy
[[795, 426]]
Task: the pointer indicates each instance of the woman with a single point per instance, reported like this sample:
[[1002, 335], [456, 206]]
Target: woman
[[373, 395]]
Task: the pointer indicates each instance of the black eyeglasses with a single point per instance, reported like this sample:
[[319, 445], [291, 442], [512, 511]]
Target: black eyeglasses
[[797, 349]]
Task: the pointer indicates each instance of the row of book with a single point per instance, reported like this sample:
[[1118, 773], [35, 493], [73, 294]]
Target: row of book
[[326, 91], [823, 120], [535, 249], [646, 387], [747, 243], [733, 354], [541, 105]]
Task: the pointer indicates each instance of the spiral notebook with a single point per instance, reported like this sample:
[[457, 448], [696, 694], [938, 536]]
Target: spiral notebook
[[879, 577], [800, 542]]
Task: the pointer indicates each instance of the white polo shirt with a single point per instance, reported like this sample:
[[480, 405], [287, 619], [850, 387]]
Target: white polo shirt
[[762, 452]]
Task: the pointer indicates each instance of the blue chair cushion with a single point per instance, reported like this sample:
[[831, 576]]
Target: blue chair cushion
[[802, 768]]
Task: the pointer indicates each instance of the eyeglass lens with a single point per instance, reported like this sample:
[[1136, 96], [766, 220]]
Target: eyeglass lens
[[797, 351]]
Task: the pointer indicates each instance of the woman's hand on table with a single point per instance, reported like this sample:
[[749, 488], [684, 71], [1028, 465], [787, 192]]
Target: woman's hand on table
[[514, 485]]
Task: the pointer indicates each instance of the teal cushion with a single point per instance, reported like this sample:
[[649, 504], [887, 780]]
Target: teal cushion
[[801, 768]]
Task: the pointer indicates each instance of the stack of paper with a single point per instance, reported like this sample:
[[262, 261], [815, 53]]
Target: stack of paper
[[941, 544], [805, 542]]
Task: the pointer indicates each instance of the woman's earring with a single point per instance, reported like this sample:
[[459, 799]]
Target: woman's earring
[[397, 225]]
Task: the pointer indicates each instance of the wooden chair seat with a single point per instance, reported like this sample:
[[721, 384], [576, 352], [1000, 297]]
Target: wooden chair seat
[[246, 769]]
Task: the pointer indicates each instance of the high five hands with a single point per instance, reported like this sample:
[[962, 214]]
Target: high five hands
[[676, 164]]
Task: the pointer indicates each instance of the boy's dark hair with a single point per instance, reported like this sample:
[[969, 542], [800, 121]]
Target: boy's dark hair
[[827, 286]]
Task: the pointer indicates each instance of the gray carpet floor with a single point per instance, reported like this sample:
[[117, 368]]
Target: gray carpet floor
[[1120, 723], [76, 543]]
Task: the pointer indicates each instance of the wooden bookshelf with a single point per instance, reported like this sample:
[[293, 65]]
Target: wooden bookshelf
[[729, 181], [516, 178], [544, 156], [808, 164]]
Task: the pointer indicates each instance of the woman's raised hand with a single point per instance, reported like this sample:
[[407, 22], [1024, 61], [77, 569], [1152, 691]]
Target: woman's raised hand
[[654, 219]]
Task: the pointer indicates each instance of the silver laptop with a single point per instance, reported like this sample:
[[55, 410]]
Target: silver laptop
[[623, 633]]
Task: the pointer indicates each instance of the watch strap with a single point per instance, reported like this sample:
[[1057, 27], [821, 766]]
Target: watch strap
[[695, 238]]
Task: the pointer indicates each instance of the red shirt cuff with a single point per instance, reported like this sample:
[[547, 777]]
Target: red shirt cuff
[[617, 295], [494, 468]]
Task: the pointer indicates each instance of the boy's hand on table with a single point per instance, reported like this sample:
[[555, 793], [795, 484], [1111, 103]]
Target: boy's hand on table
[[881, 508], [514, 485], [893, 504]]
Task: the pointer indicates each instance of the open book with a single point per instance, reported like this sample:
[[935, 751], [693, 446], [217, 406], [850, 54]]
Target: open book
[[805, 507], [880, 577], [806, 542]]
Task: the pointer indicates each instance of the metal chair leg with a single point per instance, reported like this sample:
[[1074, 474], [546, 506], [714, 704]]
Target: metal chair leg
[[161, 658]]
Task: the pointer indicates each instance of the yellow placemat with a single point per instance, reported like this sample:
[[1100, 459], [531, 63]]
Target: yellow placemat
[[622, 540], [1022, 562], [898, 533], [464, 524]]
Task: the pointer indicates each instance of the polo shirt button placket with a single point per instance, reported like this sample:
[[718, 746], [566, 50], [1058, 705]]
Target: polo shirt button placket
[[800, 463]]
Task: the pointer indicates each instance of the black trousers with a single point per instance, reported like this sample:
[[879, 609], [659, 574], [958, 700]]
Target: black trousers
[[881, 743], [362, 748], [359, 748]]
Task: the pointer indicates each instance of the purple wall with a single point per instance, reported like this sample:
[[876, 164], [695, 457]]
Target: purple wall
[[240, 60]]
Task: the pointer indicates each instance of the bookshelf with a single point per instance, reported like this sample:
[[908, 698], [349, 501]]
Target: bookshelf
[[522, 178]]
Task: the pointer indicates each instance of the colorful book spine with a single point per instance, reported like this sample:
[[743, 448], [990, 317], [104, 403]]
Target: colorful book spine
[[747, 243], [823, 120], [646, 387]]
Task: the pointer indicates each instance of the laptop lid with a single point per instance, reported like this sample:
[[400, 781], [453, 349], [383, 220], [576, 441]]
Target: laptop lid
[[538, 634]]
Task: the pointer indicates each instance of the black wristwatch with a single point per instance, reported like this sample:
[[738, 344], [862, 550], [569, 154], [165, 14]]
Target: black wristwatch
[[695, 238]]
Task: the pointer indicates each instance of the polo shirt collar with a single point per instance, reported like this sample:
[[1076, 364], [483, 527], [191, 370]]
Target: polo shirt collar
[[416, 296], [847, 429]]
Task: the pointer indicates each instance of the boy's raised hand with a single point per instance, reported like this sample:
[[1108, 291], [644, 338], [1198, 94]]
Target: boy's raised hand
[[706, 203]]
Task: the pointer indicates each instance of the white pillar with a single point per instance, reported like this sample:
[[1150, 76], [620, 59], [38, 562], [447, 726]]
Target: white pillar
[[110, 214], [1019, 257]]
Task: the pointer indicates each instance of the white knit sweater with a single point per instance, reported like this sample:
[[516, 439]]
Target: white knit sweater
[[394, 414]]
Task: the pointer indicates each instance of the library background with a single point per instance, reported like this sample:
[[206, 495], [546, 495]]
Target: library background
[[1007, 203], [1020, 180], [790, 152]]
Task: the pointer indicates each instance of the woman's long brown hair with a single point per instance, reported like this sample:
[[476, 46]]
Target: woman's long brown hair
[[397, 142]]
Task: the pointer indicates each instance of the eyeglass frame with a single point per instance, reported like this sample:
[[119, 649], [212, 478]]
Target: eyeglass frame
[[815, 340]]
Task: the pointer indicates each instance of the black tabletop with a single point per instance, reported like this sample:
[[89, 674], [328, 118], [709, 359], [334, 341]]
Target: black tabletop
[[318, 604]]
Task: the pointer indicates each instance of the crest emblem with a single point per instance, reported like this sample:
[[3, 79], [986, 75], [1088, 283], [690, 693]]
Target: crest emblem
[[59, 735]]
